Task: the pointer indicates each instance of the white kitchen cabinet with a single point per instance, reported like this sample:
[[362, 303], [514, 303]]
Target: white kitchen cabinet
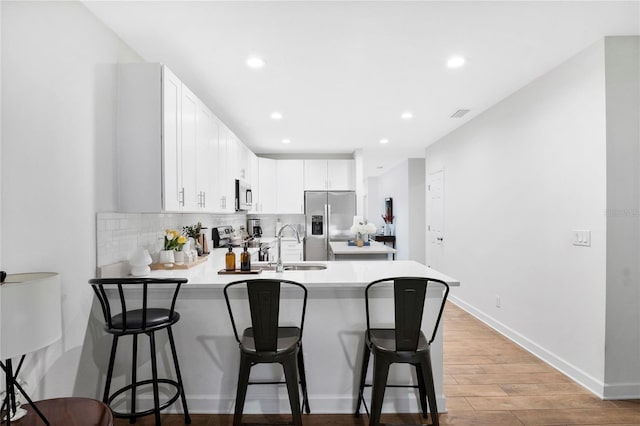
[[290, 188], [189, 107], [156, 140], [292, 251], [324, 175], [254, 180], [267, 201], [206, 152], [242, 161], [226, 166]]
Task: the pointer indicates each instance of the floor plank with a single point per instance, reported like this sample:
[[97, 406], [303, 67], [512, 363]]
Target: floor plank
[[488, 380]]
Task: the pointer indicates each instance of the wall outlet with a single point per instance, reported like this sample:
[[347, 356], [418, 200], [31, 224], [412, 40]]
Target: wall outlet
[[581, 237], [497, 301]]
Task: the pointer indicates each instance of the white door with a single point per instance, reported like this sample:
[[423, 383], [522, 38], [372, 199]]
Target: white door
[[435, 220]]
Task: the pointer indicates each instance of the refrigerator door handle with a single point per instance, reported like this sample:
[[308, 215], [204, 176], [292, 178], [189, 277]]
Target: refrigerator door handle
[[327, 214]]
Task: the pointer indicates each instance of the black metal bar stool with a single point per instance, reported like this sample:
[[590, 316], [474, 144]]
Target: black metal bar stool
[[266, 341], [404, 343], [141, 320]]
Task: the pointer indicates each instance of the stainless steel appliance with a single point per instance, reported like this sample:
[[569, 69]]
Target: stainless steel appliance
[[328, 217], [253, 228], [222, 236], [243, 195]]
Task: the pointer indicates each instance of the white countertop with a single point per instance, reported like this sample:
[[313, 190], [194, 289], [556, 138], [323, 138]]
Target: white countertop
[[338, 273], [342, 247]]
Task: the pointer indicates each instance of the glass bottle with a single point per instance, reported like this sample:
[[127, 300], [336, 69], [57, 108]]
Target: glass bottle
[[230, 260], [245, 260]]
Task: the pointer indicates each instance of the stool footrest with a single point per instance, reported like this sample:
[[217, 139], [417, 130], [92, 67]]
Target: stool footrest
[[394, 386], [136, 385]]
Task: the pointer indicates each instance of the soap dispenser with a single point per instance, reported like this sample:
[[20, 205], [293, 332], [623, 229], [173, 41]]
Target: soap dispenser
[[230, 260], [245, 259]]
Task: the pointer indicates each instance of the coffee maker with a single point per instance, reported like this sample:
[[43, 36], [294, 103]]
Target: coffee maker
[[253, 228]]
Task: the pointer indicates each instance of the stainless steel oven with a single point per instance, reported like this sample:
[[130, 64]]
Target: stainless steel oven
[[243, 195]]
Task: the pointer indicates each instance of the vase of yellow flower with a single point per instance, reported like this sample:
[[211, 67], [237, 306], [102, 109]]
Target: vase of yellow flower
[[173, 243]]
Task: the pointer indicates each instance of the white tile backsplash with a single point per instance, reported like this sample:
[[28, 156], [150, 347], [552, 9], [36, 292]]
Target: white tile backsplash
[[119, 234]]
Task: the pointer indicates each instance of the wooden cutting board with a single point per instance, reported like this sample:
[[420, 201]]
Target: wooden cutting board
[[200, 260]]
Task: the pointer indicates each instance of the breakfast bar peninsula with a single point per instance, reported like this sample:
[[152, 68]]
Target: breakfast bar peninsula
[[332, 341]]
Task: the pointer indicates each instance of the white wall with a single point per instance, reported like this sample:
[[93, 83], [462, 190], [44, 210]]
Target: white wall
[[518, 179], [58, 116], [622, 68]]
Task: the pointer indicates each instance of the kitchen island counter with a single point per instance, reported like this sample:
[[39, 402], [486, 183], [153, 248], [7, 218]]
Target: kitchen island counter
[[333, 339], [341, 250]]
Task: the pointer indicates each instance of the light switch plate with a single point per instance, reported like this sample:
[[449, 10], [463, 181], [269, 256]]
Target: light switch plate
[[581, 237]]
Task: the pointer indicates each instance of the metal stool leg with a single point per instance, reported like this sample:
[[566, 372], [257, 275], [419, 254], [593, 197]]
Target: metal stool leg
[[380, 374], [134, 370], [154, 376], [112, 359], [363, 377], [241, 393], [303, 381], [187, 418], [427, 374], [421, 390], [291, 377]]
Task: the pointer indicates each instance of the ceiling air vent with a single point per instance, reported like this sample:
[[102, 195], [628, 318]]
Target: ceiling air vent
[[460, 113]]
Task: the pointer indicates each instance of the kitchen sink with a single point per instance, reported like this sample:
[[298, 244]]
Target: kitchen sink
[[293, 267], [304, 267]]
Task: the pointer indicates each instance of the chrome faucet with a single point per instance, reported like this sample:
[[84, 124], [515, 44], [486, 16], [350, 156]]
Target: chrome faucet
[[279, 265]]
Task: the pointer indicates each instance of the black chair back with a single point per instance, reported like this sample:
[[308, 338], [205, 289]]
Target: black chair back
[[409, 300], [264, 305], [102, 285]]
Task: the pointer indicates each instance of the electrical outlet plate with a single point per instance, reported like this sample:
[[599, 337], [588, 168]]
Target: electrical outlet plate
[[581, 237]]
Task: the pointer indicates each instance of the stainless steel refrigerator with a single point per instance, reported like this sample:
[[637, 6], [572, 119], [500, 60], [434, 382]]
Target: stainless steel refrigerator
[[328, 217]]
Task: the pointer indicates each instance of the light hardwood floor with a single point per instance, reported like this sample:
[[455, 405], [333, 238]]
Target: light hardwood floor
[[488, 380]]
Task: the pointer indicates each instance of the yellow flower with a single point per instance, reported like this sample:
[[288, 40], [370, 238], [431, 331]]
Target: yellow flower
[[182, 239]]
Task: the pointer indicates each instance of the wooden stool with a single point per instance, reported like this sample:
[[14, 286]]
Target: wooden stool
[[68, 412]]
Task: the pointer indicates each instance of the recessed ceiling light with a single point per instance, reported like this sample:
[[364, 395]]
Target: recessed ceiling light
[[455, 62], [406, 115], [276, 115], [286, 140], [255, 62], [384, 140]]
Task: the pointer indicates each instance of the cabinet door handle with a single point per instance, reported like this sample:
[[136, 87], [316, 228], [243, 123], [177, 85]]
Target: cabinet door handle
[[204, 199], [181, 197]]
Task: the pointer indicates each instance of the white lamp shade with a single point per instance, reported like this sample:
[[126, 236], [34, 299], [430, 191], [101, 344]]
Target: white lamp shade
[[30, 313]]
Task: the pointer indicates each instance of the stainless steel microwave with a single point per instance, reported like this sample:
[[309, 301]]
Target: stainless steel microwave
[[243, 195]]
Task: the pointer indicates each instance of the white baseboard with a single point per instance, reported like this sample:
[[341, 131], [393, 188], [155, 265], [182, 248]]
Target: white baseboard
[[576, 374], [622, 391]]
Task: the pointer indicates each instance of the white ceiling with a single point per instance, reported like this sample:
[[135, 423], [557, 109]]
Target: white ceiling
[[341, 73]]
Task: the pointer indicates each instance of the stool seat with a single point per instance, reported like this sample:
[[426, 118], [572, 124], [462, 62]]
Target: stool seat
[[156, 318], [288, 339], [68, 412], [384, 339]]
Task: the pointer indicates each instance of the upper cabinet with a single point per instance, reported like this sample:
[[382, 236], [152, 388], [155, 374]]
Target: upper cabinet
[[325, 175], [174, 154], [290, 186], [151, 159], [266, 201]]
